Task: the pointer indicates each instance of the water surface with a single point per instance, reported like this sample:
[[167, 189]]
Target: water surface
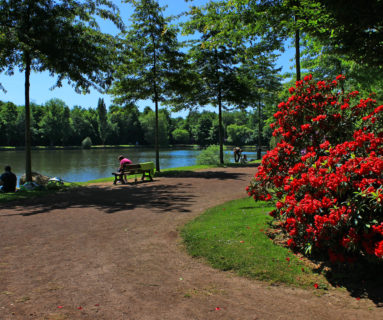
[[85, 165]]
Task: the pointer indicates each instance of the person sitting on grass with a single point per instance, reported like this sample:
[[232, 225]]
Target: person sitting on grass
[[8, 180]]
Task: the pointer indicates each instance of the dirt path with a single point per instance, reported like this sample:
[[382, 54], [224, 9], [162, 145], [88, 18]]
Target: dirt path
[[113, 252]]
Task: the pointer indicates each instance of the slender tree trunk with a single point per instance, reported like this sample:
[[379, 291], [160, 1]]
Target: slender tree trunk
[[297, 56], [259, 151], [219, 102], [156, 142], [155, 89], [28, 158], [220, 127]]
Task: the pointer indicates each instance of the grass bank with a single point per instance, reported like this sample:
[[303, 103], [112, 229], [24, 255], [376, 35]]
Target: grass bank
[[232, 237]]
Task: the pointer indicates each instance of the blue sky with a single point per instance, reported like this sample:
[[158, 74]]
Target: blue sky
[[41, 82]]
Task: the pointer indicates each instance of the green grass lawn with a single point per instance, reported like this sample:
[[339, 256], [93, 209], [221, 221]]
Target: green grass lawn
[[232, 237]]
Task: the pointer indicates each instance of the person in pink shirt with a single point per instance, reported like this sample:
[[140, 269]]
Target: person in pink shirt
[[123, 161]]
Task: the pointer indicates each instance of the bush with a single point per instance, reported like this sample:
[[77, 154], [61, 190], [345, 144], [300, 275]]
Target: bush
[[326, 172], [86, 143], [210, 156]]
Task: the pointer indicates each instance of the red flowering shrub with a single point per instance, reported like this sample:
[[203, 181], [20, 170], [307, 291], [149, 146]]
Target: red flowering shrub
[[326, 171]]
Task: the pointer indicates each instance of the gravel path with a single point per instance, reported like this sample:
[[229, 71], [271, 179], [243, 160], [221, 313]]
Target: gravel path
[[114, 252]]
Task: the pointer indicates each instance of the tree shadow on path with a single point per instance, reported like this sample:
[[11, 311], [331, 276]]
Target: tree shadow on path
[[160, 196]]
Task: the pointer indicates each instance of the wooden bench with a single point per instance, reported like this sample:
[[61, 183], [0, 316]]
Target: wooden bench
[[146, 169]]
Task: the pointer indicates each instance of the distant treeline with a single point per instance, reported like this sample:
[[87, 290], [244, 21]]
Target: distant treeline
[[55, 124]]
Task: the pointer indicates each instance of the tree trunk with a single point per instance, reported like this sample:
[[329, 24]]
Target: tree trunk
[[155, 89], [157, 148], [259, 151], [297, 56], [28, 158], [220, 129]]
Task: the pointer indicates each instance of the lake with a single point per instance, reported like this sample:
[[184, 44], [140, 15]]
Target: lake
[[85, 165]]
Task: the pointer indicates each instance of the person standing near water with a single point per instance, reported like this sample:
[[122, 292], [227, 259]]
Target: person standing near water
[[237, 153], [8, 180]]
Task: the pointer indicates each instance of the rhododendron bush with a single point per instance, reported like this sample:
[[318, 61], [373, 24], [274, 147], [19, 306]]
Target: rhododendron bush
[[326, 171]]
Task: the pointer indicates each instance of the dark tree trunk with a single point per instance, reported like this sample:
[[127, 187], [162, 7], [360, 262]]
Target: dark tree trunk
[[297, 56], [220, 129], [156, 142], [155, 89], [28, 157]]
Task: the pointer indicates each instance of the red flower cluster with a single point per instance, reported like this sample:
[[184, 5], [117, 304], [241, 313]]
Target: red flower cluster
[[326, 171]]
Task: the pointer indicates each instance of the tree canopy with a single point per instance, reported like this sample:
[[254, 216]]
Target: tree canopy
[[61, 37], [149, 60]]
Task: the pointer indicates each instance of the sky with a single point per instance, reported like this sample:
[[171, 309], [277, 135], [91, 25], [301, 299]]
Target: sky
[[41, 83]]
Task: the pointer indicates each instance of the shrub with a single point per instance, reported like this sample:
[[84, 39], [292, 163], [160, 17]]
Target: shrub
[[210, 156], [86, 143], [326, 171]]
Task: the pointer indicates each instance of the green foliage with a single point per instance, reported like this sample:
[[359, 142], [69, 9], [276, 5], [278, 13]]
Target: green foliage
[[353, 29], [239, 135], [180, 136], [149, 61], [8, 123], [62, 38], [70, 37], [124, 125], [104, 126], [211, 156], [323, 62], [148, 125], [86, 143], [54, 125]]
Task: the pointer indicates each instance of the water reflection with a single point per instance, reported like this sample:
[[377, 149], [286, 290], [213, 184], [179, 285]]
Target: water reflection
[[84, 165]]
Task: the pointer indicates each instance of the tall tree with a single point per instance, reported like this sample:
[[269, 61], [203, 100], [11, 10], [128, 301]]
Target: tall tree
[[61, 37], [269, 22], [149, 60], [8, 116], [260, 77], [103, 120], [54, 124], [215, 67]]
